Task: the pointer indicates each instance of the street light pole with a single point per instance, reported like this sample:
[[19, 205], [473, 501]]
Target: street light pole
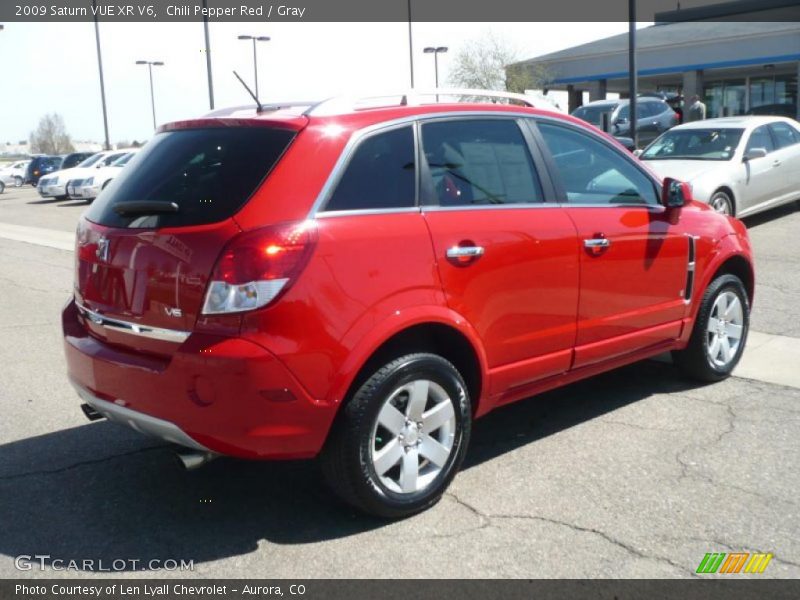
[[633, 82], [410, 46], [435, 51], [150, 64], [208, 56], [260, 38], [107, 145]]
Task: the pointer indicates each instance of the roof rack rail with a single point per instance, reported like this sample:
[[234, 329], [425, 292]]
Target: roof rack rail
[[412, 97]]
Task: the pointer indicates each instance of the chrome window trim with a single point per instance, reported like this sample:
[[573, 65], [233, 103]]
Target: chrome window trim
[[518, 206], [357, 136], [330, 214], [155, 333]]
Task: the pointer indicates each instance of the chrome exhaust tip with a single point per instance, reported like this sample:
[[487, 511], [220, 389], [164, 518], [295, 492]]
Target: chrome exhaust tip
[[194, 459], [91, 413]]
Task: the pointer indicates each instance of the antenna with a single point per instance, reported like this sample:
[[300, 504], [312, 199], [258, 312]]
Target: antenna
[[259, 108]]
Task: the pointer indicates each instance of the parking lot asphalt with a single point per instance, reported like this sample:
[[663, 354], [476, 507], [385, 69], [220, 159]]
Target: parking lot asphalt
[[635, 473]]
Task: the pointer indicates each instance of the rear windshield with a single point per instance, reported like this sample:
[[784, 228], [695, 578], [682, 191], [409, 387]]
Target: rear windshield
[[209, 173]]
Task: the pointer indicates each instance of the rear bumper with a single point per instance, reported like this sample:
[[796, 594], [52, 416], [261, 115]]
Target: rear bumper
[[220, 394], [139, 421]]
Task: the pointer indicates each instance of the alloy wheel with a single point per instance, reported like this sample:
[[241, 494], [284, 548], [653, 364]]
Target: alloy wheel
[[725, 329], [721, 203], [413, 436]]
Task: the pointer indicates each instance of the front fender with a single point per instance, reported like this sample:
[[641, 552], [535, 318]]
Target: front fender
[[732, 245]]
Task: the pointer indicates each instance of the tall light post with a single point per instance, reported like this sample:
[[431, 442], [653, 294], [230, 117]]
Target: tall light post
[[436, 51], [150, 64], [410, 46], [259, 38], [208, 56], [107, 145], [633, 75]]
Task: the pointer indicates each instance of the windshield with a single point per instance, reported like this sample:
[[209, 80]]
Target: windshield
[[694, 144], [121, 162], [90, 161]]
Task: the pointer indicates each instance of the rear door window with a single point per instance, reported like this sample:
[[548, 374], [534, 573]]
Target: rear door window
[[208, 173], [380, 174], [760, 138], [785, 135], [479, 162]]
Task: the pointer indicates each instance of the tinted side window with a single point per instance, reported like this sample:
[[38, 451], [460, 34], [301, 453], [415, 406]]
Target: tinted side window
[[760, 138], [785, 135], [476, 162], [380, 174], [593, 173]]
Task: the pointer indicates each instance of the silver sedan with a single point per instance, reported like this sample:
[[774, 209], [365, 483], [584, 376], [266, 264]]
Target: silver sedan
[[738, 165]]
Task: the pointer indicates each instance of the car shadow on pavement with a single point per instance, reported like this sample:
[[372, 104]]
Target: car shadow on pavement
[[72, 203], [772, 214], [102, 492], [46, 201]]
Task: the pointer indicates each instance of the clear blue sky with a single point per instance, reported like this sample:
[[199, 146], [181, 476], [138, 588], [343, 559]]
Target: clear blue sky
[[49, 67]]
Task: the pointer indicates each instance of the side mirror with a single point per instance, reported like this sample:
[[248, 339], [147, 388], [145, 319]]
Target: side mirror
[[754, 153], [675, 193], [638, 152]]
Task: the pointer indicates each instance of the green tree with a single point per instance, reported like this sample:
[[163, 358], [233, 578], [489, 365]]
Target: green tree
[[486, 63], [50, 136]]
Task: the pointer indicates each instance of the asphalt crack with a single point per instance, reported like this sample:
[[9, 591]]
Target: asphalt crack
[[77, 465], [487, 519]]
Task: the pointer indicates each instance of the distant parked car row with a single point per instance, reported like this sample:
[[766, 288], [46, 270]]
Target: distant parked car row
[[87, 179]]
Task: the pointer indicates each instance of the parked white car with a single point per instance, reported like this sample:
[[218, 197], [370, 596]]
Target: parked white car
[[14, 174], [54, 185], [738, 165], [90, 187]]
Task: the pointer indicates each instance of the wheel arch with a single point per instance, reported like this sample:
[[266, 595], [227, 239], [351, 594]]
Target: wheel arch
[[437, 337], [739, 266]]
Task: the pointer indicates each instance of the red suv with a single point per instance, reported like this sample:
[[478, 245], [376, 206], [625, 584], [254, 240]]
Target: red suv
[[361, 283]]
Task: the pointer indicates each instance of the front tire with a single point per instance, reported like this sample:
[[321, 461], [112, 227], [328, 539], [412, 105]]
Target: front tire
[[722, 202], [401, 438], [720, 331]]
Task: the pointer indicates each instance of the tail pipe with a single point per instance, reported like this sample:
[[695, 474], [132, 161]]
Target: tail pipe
[[91, 413], [194, 459]]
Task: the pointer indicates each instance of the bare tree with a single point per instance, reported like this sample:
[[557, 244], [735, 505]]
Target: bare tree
[[486, 63], [51, 136]]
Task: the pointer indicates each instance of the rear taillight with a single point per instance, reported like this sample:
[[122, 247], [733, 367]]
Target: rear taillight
[[257, 266]]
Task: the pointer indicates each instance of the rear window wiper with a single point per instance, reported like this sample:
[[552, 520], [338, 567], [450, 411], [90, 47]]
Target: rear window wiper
[[145, 207]]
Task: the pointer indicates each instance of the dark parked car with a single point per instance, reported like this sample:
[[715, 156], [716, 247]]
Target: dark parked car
[[72, 160], [775, 110], [41, 165], [654, 117]]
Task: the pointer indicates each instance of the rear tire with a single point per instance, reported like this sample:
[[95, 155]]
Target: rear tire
[[714, 349], [401, 438], [2, 187], [18, 181]]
